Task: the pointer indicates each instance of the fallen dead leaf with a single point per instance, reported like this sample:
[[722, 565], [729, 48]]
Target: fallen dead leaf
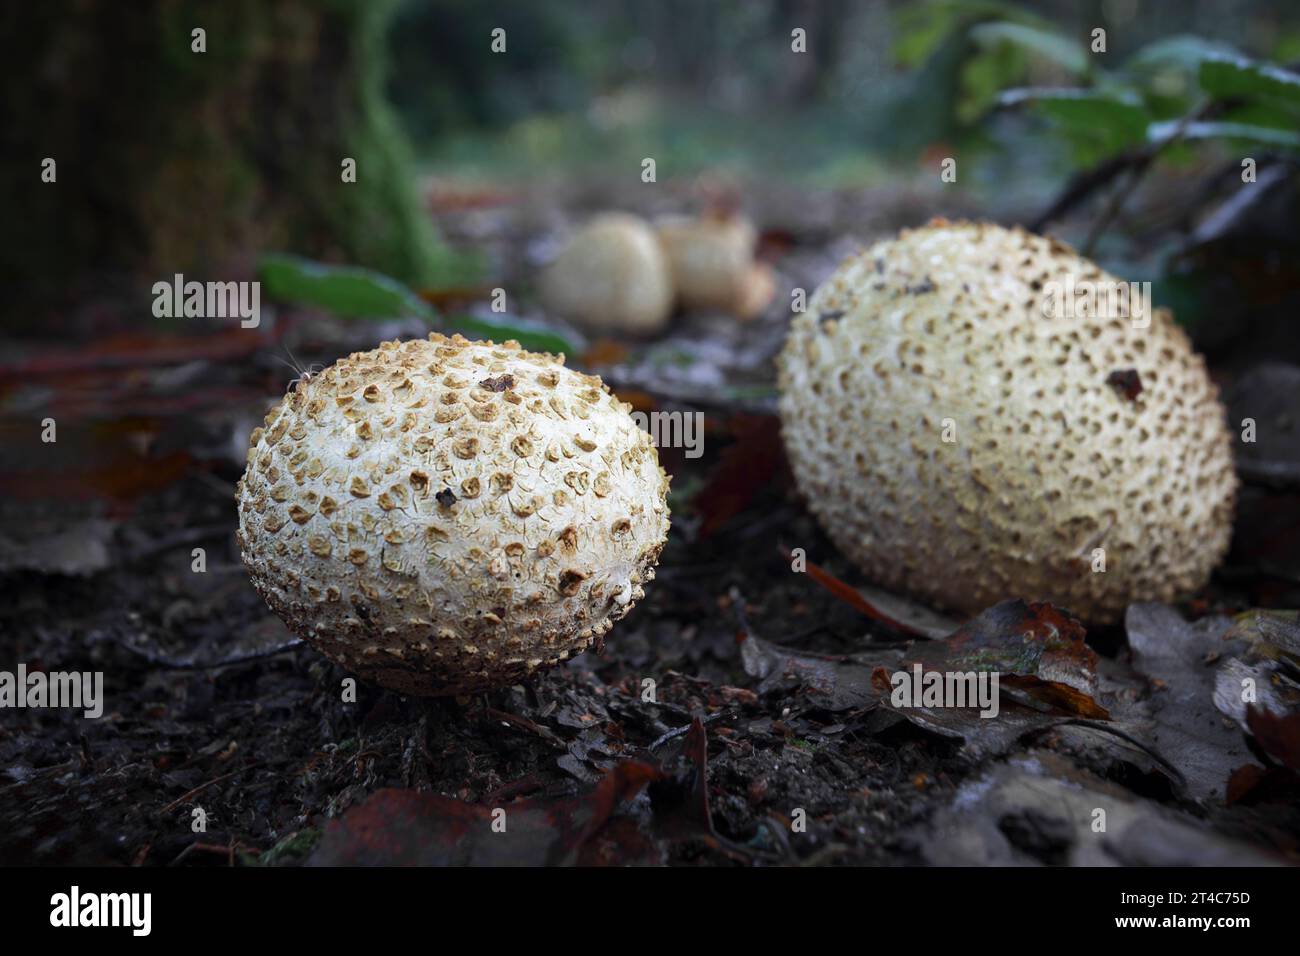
[[407, 828], [896, 613], [1179, 718]]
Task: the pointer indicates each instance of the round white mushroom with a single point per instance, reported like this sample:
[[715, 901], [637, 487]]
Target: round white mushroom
[[712, 264], [965, 440], [446, 516], [611, 277]]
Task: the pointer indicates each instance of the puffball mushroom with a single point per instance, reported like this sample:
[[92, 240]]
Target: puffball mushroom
[[964, 444], [445, 516], [712, 264], [612, 277]]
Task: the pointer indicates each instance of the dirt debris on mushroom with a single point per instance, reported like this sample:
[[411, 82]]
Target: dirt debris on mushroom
[[963, 440], [444, 516]]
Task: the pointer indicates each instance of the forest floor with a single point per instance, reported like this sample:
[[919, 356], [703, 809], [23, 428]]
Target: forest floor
[[735, 718]]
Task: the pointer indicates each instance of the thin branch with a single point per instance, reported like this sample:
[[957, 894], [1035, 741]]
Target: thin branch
[[1083, 185], [168, 663], [184, 797], [1277, 475], [1140, 167]]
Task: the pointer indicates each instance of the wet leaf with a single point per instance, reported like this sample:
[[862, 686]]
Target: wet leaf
[[681, 804], [355, 292], [843, 685], [1185, 52], [1040, 810], [1271, 634], [1180, 718], [1278, 734], [1230, 684], [531, 335], [1101, 121], [1236, 132], [1033, 646], [1021, 641], [1252, 785]]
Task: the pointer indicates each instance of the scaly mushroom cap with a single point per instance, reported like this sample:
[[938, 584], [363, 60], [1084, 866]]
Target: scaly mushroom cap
[[612, 277], [446, 516], [1055, 449]]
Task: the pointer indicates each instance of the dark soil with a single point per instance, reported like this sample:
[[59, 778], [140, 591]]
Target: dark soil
[[212, 704]]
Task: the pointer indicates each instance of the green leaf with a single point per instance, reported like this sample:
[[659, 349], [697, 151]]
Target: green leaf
[[1051, 46], [1168, 71], [983, 78], [1265, 135], [1184, 52], [1096, 123], [345, 290], [1268, 113], [363, 293], [1235, 76], [532, 336]]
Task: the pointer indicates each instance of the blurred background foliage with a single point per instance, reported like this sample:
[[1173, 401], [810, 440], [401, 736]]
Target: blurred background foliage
[[181, 163], [700, 85], [1053, 124]]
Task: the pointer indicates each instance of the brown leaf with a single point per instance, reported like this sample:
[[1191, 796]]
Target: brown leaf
[[858, 600], [1033, 646], [1278, 734], [408, 828], [682, 805], [845, 685], [604, 352], [744, 468]]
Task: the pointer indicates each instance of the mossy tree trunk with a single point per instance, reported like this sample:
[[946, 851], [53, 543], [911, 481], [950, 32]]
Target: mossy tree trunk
[[171, 160]]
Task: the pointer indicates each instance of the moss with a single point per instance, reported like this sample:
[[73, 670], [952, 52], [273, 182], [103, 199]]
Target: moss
[[292, 849]]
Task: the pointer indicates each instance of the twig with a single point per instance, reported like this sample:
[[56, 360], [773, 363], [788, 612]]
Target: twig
[[1083, 185], [203, 786], [168, 663], [227, 851], [523, 723], [1140, 167], [530, 783], [1117, 200], [1135, 162], [679, 731]]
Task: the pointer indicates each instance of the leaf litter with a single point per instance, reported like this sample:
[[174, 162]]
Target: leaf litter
[[211, 704]]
